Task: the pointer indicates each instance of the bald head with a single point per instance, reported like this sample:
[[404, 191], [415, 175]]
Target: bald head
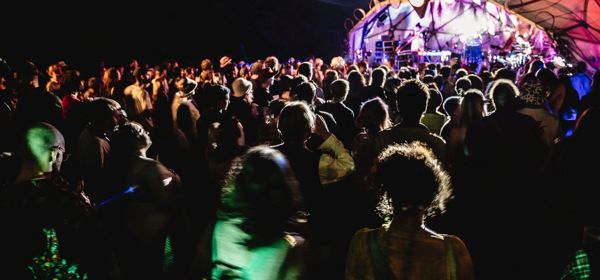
[[43, 147]]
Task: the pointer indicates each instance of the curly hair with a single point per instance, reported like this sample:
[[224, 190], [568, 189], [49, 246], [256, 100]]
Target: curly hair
[[412, 177]]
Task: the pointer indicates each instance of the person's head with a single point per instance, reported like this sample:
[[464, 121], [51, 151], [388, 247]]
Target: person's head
[[339, 90], [378, 77], [110, 77], [72, 82], [141, 75], [217, 97], [129, 139], [104, 114], [264, 193], [296, 121], [43, 149], [305, 92], [476, 82], [435, 100], [471, 105], [206, 64], [535, 66], [461, 73], [305, 69], [462, 85], [241, 87], [581, 67], [445, 72], [428, 79], [338, 64], [412, 100], [356, 80], [505, 73], [363, 66], [272, 64], [413, 178], [186, 86], [330, 76], [438, 80], [548, 79], [451, 107], [503, 93], [373, 116]]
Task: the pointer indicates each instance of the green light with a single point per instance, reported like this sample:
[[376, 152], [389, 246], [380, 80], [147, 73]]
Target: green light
[[578, 268]]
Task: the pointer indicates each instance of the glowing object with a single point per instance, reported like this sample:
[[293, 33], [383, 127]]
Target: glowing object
[[417, 3]]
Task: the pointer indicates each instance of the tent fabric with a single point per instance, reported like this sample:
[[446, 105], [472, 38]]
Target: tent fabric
[[572, 25]]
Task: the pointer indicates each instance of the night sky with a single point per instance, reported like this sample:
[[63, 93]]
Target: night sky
[[172, 30]]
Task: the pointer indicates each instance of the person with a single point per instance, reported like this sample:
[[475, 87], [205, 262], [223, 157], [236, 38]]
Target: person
[[411, 103], [534, 96], [138, 102], [330, 77], [306, 69], [452, 111], [580, 80], [344, 116], [357, 87], [251, 238], [51, 231], [243, 109], [406, 248], [139, 204], [432, 118]]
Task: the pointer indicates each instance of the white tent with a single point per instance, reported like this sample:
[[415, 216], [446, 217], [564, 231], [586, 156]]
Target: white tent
[[570, 26]]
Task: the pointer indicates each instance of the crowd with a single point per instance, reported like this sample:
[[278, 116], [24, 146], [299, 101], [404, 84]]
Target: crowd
[[298, 170]]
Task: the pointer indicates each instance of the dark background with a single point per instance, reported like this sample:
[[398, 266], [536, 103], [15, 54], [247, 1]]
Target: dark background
[[89, 32]]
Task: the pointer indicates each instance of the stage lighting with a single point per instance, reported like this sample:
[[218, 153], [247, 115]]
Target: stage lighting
[[449, 1], [416, 3]]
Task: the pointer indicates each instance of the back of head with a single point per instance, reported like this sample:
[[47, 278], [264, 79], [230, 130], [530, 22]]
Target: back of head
[[305, 92], [476, 82], [339, 89], [413, 178], [503, 93], [505, 73], [356, 80], [378, 77], [462, 85], [472, 106], [215, 94], [535, 66], [128, 140], [548, 79], [305, 69], [412, 99], [450, 105], [295, 122], [264, 193], [104, 112], [338, 63], [581, 67], [428, 79], [43, 147], [461, 73], [445, 72], [435, 100], [373, 115]]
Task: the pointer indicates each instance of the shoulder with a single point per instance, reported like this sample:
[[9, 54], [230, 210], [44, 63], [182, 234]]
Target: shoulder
[[457, 244]]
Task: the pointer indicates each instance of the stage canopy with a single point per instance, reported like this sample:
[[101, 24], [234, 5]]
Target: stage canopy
[[570, 27]]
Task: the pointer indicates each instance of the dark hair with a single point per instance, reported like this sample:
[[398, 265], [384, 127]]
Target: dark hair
[[505, 73], [445, 72], [101, 109], [461, 73], [581, 67], [305, 69], [330, 77], [356, 80], [435, 100], [503, 93], [304, 92], [428, 79], [373, 116], [215, 94], [463, 84], [262, 191], [295, 122], [412, 99], [413, 178], [476, 82], [128, 139], [450, 105], [378, 77], [472, 106], [339, 89], [548, 79]]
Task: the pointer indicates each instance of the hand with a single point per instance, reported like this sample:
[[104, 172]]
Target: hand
[[320, 127]]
